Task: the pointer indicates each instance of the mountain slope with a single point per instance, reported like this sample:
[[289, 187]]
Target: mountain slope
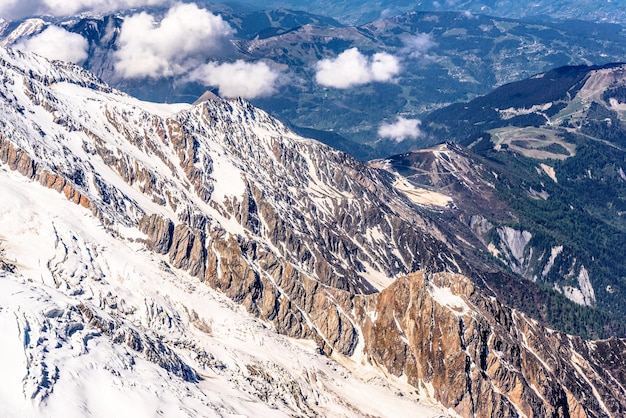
[[222, 176], [94, 325], [314, 244], [507, 210], [506, 364], [541, 187], [566, 99]]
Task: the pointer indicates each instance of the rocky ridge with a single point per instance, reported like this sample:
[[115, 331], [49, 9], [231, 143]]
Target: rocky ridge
[[301, 235], [218, 183], [429, 328]]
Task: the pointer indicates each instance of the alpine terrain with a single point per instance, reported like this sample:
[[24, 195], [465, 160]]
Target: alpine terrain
[[204, 260], [315, 73], [539, 181]]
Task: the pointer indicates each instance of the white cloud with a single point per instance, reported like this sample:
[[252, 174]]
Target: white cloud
[[384, 67], [56, 43], [352, 68], [185, 38], [417, 46], [469, 15], [238, 79], [16, 9], [401, 129], [389, 12]]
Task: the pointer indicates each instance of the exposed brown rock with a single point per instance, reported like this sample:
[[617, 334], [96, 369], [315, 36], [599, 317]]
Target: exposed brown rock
[[484, 359], [21, 162], [479, 357], [160, 230]]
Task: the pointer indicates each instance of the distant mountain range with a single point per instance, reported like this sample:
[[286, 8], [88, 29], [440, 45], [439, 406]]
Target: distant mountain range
[[363, 11], [439, 57]]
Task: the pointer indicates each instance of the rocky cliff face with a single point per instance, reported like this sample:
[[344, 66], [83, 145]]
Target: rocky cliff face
[[483, 359], [302, 236]]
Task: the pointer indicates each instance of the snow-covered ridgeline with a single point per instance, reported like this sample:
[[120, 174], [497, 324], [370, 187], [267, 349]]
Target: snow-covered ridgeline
[[285, 226], [199, 164]]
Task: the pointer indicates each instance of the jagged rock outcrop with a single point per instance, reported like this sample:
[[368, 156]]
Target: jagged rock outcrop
[[160, 231], [484, 359], [6, 265], [151, 348], [265, 284], [20, 161]]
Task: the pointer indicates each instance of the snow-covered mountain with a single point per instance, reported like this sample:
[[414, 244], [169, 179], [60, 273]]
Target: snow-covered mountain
[[96, 324], [131, 290]]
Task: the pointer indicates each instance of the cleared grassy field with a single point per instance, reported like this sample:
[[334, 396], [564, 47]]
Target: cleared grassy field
[[533, 142]]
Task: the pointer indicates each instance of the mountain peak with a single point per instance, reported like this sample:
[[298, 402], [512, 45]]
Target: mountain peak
[[207, 95]]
